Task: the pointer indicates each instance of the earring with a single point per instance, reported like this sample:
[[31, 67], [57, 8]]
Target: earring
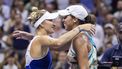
[[74, 21]]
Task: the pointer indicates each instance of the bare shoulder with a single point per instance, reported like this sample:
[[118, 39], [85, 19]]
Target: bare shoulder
[[80, 38], [36, 40], [45, 40], [80, 43], [40, 39]]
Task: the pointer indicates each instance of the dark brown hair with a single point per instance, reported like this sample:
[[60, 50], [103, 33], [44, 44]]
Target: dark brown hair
[[90, 19]]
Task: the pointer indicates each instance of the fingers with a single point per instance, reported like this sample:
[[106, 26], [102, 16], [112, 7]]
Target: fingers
[[21, 35], [92, 30], [89, 28], [18, 38], [16, 34]]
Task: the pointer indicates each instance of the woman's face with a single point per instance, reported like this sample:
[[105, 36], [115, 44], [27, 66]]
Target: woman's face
[[49, 26], [109, 31], [13, 13], [68, 22]]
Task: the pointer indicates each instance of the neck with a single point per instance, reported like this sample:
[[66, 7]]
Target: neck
[[41, 32]]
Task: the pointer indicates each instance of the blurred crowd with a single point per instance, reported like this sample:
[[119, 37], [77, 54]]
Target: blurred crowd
[[14, 13]]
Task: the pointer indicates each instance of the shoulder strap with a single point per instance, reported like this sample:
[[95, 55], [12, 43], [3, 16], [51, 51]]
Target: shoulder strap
[[90, 38]]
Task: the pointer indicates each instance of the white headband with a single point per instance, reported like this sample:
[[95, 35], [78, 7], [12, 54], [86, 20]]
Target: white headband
[[41, 19]]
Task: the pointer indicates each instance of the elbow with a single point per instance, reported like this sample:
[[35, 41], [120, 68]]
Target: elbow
[[57, 49], [59, 44]]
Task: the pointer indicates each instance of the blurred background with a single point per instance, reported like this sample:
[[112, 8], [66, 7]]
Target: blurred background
[[14, 13]]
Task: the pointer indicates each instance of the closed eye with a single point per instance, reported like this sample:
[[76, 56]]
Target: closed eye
[[53, 26], [50, 20]]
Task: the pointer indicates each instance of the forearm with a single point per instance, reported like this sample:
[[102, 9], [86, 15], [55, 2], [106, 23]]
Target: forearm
[[30, 36], [63, 47], [68, 36], [58, 42]]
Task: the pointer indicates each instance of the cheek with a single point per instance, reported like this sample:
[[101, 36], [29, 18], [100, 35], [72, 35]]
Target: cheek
[[49, 27], [68, 21], [47, 24]]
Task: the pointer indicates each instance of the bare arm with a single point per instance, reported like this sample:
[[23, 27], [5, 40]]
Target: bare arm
[[28, 36], [48, 41], [63, 47], [22, 35], [80, 47]]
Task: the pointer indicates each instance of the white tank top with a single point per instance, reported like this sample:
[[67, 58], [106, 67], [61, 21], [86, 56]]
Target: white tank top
[[28, 56], [92, 55]]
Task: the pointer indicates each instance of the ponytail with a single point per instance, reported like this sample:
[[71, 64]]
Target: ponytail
[[35, 15], [90, 19]]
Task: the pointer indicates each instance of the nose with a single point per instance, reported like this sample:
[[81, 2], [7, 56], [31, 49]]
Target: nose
[[54, 25]]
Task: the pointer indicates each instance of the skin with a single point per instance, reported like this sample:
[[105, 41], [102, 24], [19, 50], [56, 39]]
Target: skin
[[39, 46], [81, 48], [80, 43], [68, 22]]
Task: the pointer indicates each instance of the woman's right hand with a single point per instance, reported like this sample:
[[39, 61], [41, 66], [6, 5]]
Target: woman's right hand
[[22, 35], [88, 27]]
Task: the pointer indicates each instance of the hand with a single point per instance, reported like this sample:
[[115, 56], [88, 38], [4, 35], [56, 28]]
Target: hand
[[88, 27], [22, 35]]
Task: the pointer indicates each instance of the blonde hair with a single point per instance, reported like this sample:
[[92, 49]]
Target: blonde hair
[[35, 15]]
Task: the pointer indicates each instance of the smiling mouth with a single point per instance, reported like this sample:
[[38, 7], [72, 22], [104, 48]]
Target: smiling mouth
[[64, 24]]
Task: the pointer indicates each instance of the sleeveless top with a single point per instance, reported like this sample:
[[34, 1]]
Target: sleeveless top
[[40, 63], [92, 55]]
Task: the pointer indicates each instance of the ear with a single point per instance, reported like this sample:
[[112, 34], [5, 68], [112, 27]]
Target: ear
[[75, 20]]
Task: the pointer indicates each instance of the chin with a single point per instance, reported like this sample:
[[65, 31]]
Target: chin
[[51, 32], [68, 29]]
